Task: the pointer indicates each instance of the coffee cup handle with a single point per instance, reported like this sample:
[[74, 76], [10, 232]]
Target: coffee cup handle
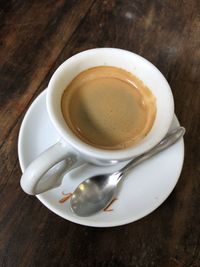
[[48, 169]]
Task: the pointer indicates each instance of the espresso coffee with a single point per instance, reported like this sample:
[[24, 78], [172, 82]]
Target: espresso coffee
[[108, 108]]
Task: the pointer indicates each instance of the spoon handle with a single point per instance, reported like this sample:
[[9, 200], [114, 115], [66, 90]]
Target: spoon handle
[[169, 140]]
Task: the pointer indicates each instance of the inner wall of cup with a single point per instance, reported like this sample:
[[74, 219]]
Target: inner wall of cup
[[133, 63]]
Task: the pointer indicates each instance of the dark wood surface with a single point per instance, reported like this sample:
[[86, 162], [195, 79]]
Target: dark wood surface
[[35, 37]]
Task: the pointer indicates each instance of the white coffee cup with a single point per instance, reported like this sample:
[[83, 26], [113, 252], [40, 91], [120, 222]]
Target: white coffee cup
[[70, 148]]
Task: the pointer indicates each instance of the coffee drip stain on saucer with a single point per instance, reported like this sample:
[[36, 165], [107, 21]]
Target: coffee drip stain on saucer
[[107, 208], [65, 198]]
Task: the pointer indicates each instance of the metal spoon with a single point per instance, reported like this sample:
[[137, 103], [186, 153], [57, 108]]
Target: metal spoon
[[95, 193]]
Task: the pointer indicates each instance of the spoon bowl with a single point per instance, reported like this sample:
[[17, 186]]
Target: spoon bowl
[[94, 192]]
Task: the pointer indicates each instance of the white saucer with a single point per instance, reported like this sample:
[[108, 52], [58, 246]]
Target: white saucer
[[143, 190]]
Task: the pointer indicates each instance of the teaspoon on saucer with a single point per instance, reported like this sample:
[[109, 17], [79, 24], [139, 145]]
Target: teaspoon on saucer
[[95, 193]]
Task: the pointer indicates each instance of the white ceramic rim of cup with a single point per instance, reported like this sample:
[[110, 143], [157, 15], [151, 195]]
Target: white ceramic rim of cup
[[129, 61]]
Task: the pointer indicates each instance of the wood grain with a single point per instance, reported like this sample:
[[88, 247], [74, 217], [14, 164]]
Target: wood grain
[[35, 38], [33, 33]]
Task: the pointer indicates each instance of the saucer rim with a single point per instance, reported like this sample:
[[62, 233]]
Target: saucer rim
[[81, 220]]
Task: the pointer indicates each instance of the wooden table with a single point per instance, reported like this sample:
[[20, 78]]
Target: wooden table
[[35, 38]]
